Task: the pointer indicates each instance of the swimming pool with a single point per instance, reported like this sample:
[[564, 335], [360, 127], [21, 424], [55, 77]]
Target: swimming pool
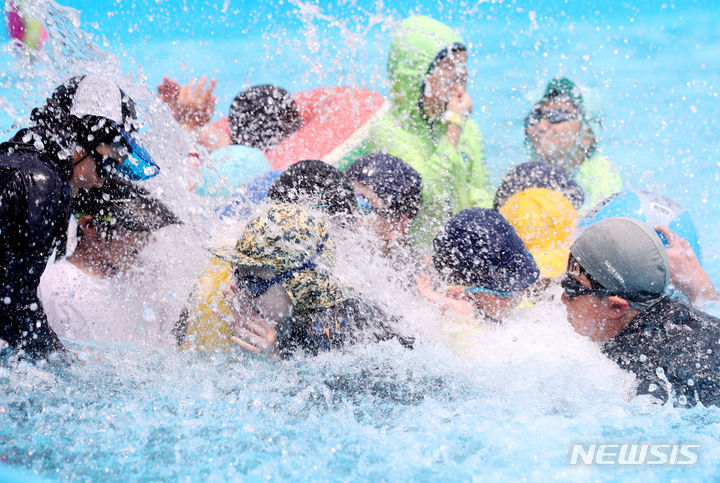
[[381, 412]]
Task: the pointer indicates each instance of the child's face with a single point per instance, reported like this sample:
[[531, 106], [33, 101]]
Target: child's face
[[447, 80], [493, 305], [273, 305], [389, 228], [114, 247], [554, 130]]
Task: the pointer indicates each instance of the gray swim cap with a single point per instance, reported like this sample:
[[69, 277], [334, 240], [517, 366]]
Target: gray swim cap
[[626, 256]]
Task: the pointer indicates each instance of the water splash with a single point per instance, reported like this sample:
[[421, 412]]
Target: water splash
[[506, 404]]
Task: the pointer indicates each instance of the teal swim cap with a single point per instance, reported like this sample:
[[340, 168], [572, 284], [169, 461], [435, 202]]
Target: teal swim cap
[[588, 100]]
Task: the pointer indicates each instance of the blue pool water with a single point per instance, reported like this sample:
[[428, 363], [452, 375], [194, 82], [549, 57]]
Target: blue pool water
[[531, 390]]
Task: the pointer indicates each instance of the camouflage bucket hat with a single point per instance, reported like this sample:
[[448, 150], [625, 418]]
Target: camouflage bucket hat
[[286, 237]]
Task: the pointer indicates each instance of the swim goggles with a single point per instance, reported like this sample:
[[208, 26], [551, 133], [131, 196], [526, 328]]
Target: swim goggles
[[256, 286], [104, 164], [554, 116], [505, 295], [365, 207], [572, 287]]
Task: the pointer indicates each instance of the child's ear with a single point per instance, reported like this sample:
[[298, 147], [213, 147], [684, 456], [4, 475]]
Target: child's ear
[[86, 224], [588, 139], [619, 307]]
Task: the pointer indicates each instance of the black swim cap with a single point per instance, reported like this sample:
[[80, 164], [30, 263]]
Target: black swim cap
[[314, 184], [263, 116], [394, 181]]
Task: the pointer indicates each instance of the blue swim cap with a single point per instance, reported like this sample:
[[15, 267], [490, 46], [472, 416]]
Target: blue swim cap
[[243, 204], [235, 166], [651, 208]]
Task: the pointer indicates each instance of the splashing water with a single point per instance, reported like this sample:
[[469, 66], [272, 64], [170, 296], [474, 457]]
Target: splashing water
[[492, 403]]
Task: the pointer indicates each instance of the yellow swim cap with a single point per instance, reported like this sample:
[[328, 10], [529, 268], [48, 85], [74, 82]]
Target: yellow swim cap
[[544, 219]]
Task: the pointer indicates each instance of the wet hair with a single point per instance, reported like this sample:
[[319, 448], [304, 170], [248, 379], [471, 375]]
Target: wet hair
[[444, 53], [262, 117], [538, 174], [314, 184]]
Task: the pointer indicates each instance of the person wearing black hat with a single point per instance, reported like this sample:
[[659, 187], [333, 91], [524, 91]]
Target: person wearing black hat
[[85, 130], [314, 184], [484, 262], [389, 196], [81, 293], [538, 174]]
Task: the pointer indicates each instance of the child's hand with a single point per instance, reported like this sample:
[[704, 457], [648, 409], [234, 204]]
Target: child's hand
[[168, 91], [457, 112], [256, 337], [451, 301], [460, 104], [686, 273], [195, 103], [252, 332]]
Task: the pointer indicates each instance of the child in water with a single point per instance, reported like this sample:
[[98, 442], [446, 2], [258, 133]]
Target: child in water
[[115, 224], [484, 263], [429, 124], [564, 128], [273, 294]]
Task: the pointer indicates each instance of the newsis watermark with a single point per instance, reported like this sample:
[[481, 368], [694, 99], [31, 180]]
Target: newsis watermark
[[634, 454]]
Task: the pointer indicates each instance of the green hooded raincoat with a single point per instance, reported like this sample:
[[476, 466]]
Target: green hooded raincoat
[[453, 179]]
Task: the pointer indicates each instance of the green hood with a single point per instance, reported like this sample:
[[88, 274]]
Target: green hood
[[417, 42]]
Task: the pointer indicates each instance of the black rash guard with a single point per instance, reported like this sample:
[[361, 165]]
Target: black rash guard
[[34, 212], [672, 342], [351, 321]]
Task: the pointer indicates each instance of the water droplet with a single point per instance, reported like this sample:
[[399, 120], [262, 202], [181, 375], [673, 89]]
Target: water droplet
[[148, 314]]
